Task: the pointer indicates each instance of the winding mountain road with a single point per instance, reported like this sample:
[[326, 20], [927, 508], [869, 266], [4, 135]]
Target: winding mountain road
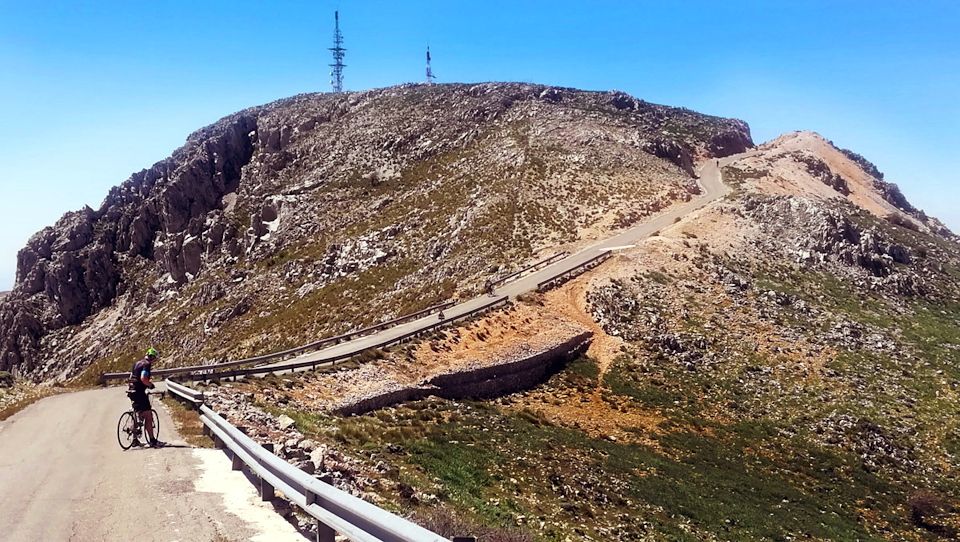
[[63, 475], [710, 184]]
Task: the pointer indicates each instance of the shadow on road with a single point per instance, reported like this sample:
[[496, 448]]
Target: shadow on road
[[135, 448]]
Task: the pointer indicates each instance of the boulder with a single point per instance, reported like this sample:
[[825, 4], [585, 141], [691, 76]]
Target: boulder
[[285, 422], [673, 151]]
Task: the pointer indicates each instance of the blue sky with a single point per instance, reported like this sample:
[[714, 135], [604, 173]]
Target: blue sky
[[94, 91]]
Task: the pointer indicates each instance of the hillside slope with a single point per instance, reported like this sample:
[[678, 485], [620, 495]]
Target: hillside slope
[[315, 214], [779, 365]]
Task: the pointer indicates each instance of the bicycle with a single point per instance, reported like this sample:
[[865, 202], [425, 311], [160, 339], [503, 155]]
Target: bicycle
[[131, 427]]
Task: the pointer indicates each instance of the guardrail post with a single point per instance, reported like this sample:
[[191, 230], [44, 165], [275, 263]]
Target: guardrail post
[[237, 462], [218, 442], [325, 533], [266, 490]]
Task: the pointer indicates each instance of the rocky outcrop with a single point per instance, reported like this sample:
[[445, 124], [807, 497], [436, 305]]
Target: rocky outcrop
[[891, 192], [821, 171], [74, 269], [730, 141], [819, 234], [673, 151], [867, 166], [22, 333]]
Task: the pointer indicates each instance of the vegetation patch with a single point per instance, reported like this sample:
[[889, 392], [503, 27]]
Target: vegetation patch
[[735, 177], [187, 420]]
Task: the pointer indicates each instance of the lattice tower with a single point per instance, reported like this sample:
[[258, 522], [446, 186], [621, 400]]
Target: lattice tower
[[336, 74], [430, 76]]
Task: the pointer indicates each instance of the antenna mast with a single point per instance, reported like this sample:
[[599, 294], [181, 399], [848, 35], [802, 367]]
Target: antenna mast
[[430, 76], [337, 73]]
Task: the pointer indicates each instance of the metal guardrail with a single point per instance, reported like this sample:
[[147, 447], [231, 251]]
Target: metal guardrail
[[547, 261], [105, 377], [206, 374], [335, 511], [185, 393], [592, 262]]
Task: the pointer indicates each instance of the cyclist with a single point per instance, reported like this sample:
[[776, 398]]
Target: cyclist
[[137, 392]]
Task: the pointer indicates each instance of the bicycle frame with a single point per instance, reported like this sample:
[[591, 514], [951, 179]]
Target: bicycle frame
[[132, 430]]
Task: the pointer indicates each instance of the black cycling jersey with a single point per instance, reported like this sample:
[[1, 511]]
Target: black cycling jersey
[[136, 375]]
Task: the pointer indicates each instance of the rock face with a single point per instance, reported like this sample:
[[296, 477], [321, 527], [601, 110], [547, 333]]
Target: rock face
[[72, 270], [827, 234], [421, 172], [786, 165]]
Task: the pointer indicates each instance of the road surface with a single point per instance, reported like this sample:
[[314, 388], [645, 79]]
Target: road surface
[[63, 476]]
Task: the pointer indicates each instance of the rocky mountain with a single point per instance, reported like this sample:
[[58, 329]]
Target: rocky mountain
[[318, 213], [781, 364], [778, 365]]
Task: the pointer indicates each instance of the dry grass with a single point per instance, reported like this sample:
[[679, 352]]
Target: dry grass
[[17, 406], [187, 420], [21, 396]]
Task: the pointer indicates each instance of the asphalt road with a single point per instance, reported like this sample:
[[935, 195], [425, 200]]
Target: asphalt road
[[63, 476], [712, 190]]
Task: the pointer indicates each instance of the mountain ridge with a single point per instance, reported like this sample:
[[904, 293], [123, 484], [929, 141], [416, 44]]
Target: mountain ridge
[[222, 195]]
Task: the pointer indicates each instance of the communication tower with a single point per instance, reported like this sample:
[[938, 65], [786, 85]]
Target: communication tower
[[336, 75], [430, 76]]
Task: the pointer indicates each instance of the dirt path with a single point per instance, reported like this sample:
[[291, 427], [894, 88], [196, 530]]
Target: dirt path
[[570, 301], [590, 412]]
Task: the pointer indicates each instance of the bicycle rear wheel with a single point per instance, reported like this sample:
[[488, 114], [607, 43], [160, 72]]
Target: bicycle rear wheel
[[126, 429], [148, 438]]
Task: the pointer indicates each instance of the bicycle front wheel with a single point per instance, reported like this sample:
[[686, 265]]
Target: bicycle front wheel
[[156, 429], [126, 429]]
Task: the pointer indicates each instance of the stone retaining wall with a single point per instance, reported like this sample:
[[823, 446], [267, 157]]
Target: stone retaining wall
[[482, 383]]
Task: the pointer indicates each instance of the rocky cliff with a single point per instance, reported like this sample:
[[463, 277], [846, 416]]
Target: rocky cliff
[[319, 211]]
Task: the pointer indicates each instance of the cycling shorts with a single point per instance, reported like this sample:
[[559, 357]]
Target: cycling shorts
[[140, 400]]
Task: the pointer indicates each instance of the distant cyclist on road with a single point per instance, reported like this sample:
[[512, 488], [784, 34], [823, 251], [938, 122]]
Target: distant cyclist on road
[[138, 383]]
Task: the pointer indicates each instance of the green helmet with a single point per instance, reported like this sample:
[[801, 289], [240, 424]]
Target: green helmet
[[151, 353]]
